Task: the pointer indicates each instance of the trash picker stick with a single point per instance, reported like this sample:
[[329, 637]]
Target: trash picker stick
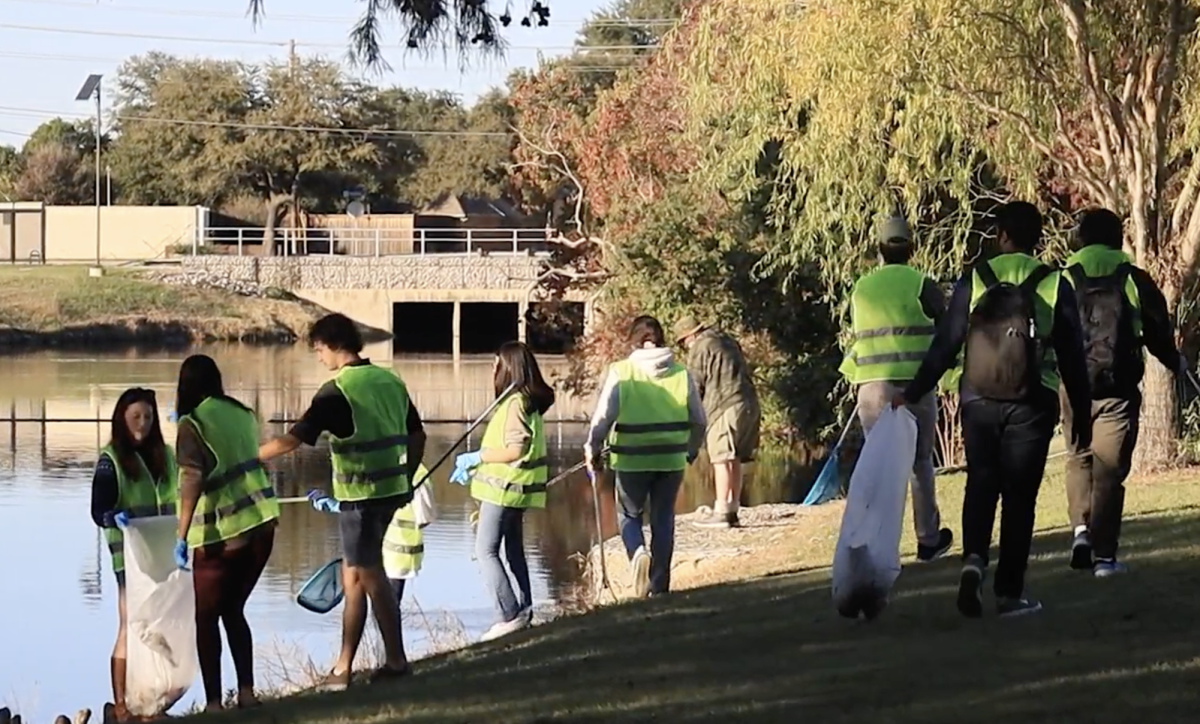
[[600, 535], [478, 421]]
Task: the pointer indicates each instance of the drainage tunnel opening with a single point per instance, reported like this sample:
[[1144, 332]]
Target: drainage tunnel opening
[[423, 327], [487, 325], [554, 327]]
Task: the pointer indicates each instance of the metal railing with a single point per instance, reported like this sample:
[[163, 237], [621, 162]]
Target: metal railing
[[248, 241]]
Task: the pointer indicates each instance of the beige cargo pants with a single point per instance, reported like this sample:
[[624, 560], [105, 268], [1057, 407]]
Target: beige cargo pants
[[872, 398]]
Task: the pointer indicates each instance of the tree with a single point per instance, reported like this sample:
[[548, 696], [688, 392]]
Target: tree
[[55, 174], [462, 25], [1097, 98], [10, 171]]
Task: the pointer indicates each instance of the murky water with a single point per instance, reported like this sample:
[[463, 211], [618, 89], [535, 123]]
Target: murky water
[[57, 592]]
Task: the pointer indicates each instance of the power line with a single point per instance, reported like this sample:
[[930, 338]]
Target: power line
[[273, 43], [317, 19], [370, 132]]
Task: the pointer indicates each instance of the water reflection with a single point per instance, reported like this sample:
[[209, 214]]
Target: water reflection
[[58, 558]]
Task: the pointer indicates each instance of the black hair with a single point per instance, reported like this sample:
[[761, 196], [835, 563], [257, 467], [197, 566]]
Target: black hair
[[200, 379], [519, 367], [337, 332], [152, 449], [646, 329], [1021, 222], [1099, 226], [895, 251]]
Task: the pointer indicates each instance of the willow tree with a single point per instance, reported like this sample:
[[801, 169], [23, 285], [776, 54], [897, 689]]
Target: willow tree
[[879, 104]]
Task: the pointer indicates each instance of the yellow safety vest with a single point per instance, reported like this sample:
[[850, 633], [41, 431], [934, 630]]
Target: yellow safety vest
[[404, 541], [141, 497], [372, 462], [652, 428], [891, 331], [519, 484], [238, 496]]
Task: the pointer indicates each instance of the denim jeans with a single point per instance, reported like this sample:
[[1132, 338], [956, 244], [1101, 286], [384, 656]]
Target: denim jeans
[[498, 525], [661, 488]]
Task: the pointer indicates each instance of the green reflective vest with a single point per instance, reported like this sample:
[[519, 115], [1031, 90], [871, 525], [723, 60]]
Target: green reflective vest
[[141, 497], [373, 462], [519, 484], [238, 496], [652, 428], [404, 541], [1014, 269], [891, 331], [1099, 260]]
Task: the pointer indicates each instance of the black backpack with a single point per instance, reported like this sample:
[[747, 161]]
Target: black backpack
[[1112, 348], [1003, 357]]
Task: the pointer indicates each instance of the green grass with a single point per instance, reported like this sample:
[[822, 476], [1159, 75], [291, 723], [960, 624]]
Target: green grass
[[773, 649], [46, 298]]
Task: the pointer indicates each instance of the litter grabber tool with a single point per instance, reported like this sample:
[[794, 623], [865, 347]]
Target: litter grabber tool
[[828, 483]]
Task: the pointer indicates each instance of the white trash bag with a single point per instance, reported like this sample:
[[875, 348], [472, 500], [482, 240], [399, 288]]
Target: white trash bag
[[161, 608], [866, 561]]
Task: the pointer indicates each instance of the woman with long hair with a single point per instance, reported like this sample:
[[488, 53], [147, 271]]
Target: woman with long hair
[[508, 475], [227, 517], [135, 477]]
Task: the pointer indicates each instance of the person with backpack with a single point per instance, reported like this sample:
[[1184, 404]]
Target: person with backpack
[[1122, 310], [893, 313], [1019, 324]]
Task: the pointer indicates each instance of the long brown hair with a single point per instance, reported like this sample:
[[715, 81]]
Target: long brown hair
[[152, 449], [519, 367]]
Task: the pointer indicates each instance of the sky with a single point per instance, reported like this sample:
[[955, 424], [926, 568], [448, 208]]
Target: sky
[[42, 67]]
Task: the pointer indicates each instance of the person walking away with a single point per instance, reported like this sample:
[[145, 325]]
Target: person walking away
[[1018, 321], [377, 442], [135, 477], [894, 311], [508, 476], [404, 541], [650, 414], [1122, 310], [227, 517], [719, 370]]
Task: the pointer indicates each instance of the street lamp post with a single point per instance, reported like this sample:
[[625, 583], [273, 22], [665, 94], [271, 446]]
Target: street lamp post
[[90, 89]]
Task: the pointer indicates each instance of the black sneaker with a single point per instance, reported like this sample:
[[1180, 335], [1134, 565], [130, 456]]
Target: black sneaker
[[1081, 553], [970, 588], [1013, 607], [928, 553]]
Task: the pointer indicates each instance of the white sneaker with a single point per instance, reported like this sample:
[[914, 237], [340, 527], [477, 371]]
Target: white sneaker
[[641, 572], [505, 628]]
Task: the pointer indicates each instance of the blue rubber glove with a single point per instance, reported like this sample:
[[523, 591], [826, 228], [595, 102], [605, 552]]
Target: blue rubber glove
[[181, 554], [116, 519], [463, 465], [322, 501]]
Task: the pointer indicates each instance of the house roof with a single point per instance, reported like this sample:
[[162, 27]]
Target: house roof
[[463, 206]]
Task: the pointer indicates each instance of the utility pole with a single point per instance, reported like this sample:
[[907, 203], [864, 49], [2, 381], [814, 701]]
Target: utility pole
[[91, 87]]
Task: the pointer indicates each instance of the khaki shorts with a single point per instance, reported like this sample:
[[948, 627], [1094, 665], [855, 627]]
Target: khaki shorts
[[733, 435]]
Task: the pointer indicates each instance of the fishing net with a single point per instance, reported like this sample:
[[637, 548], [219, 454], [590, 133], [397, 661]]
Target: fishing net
[[323, 591]]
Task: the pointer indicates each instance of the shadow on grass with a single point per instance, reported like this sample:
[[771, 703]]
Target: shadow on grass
[[1116, 650]]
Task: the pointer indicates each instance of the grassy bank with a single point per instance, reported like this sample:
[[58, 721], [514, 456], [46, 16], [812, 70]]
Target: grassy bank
[[770, 647], [63, 306]]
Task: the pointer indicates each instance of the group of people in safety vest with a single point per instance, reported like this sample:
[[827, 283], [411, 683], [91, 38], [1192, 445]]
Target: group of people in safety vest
[[650, 423], [1021, 341]]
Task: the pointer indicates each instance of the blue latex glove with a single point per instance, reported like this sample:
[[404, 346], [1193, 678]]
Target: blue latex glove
[[116, 519], [181, 554], [322, 501], [463, 465]]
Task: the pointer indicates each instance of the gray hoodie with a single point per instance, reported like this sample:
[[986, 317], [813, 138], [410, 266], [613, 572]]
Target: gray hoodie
[[654, 361]]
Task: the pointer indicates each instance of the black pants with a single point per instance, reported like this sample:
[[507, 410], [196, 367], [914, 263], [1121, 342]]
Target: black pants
[[1006, 445]]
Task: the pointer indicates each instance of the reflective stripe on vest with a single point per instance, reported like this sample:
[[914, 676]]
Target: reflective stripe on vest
[[521, 483], [1099, 260], [404, 541], [652, 428], [140, 498], [238, 496], [372, 462], [891, 332], [1014, 269]]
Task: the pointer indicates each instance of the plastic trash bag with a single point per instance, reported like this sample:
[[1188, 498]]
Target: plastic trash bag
[[161, 608], [323, 591], [866, 561]]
